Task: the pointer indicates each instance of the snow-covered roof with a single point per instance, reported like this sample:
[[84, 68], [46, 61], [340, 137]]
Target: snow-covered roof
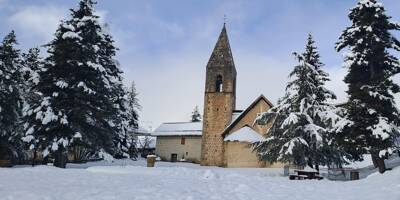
[[236, 117], [245, 134], [179, 128]]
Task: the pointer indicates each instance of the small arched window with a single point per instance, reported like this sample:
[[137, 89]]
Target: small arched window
[[218, 84]]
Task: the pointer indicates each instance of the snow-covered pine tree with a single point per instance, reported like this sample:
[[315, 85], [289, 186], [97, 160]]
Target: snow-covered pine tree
[[132, 109], [133, 106], [116, 92], [120, 124], [196, 116], [77, 101], [10, 95], [125, 121], [302, 120], [32, 64], [373, 117]]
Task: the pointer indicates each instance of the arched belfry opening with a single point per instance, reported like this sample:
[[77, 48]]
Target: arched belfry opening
[[218, 84]]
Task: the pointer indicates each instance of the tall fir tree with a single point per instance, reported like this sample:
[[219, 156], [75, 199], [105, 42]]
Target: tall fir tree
[[32, 64], [79, 83], [124, 120], [303, 118], [373, 117], [133, 106], [132, 116], [10, 95]]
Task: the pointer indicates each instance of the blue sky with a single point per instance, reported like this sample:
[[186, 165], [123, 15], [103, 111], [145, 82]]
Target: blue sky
[[165, 45]]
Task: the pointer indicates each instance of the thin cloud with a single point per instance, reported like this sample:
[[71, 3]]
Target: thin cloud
[[38, 21]]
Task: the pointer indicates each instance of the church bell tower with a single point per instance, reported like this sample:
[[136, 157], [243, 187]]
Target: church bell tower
[[219, 101]]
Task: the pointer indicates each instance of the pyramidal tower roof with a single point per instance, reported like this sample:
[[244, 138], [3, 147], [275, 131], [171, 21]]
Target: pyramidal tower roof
[[222, 54]]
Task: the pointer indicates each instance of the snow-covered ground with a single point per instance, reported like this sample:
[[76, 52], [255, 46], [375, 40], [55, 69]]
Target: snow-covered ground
[[131, 180]]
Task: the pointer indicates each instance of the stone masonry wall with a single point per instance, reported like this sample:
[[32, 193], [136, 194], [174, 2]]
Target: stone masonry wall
[[167, 145], [218, 113]]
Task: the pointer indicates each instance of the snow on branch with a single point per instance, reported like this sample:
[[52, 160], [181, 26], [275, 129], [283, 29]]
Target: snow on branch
[[290, 120], [265, 118], [382, 129], [314, 130], [71, 35], [287, 148]]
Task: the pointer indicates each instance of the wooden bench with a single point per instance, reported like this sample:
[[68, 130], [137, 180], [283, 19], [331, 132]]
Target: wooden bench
[[301, 175], [5, 163]]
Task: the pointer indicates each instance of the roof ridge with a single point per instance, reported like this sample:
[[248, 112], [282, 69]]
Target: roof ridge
[[245, 112], [189, 130], [180, 122]]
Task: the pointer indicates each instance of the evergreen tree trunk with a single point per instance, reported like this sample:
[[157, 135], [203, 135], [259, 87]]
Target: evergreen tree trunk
[[34, 157], [374, 160], [60, 158], [380, 163], [317, 167], [310, 163]]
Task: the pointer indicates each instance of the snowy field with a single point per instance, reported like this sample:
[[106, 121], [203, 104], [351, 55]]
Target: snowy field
[[131, 180]]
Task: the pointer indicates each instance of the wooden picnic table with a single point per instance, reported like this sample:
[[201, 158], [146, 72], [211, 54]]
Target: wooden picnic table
[[304, 174]]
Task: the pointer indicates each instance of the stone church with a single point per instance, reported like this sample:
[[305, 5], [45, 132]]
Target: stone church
[[225, 136]]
